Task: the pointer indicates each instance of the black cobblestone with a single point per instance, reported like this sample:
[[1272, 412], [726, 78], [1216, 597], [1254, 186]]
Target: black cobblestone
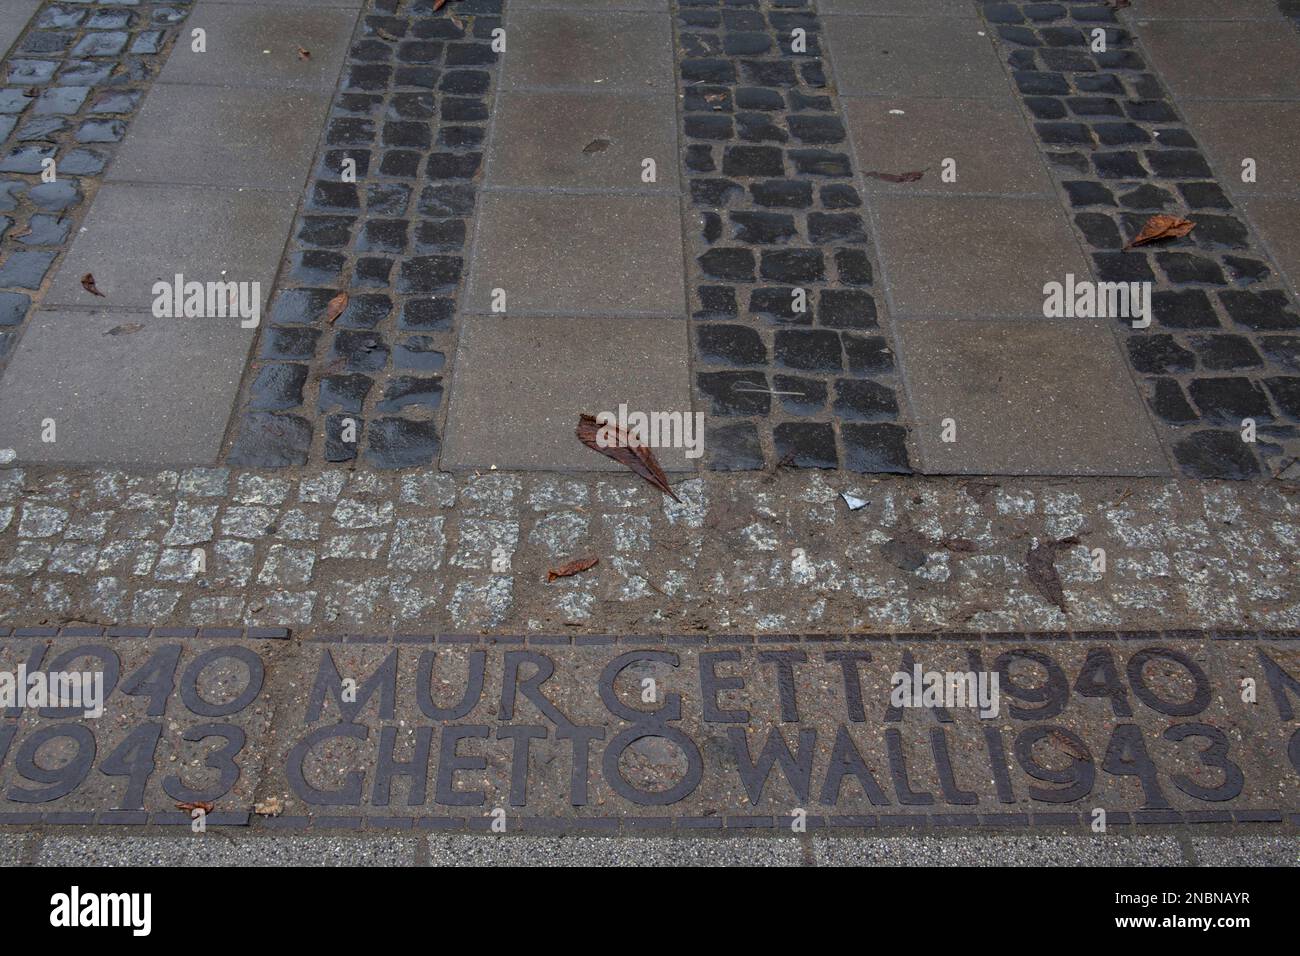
[[410, 111], [1218, 305]]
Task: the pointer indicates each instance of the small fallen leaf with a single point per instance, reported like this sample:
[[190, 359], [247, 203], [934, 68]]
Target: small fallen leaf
[[336, 307], [270, 807], [1066, 745], [198, 805], [439, 5], [304, 54], [898, 177], [88, 283], [1040, 563], [596, 146], [572, 568], [624, 449], [1161, 227], [126, 329]]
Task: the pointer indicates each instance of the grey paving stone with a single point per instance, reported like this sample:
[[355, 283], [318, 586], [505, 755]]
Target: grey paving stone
[[578, 255], [1278, 222], [14, 15], [1034, 397], [1207, 10], [611, 851], [213, 849], [900, 8], [136, 235], [1220, 60], [998, 851], [613, 5], [1246, 851], [522, 382], [974, 256], [897, 56], [1233, 130], [221, 137], [159, 395], [590, 140], [995, 151], [573, 49], [258, 46]]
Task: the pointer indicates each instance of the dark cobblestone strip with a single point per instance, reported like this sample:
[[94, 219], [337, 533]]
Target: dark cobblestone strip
[[771, 183], [411, 111], [1223, 345], [71, 86], [142, 632]]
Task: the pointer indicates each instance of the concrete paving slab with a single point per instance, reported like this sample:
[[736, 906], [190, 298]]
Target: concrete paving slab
[[1222, 60], [14, 15], [1231, 131], [578, 255], [897, 56], [899, 8], [258, 46], [1206, 10], [1246, 851], [999, 851], [974, 256], [1277, 220], [522, 382], [1036, 397], [993, 148], [159, 394], [612, 851], [583, 140], [222, 137], [572, 49], [213, 849], [136, 235]]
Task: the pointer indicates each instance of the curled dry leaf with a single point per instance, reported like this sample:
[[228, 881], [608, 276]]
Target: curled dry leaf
[[304, 54], [189, 808], [1040, 563], [125, 329], [572, 568], [897, 177], [439, 5], [336, 307], [88, 283], [1066, 745], [270, 807], [624, 449], [1161, 227]]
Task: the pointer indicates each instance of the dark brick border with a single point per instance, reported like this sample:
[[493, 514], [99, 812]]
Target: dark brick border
[[1223, 345], [771, 182], [145, 632], [71, 86], [412, 110]]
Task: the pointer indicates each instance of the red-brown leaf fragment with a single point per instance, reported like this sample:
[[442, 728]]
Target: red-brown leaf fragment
[[1161, 227], [304, 54], [88, 283], [626, 450], [335, 307], [205, 806], [572, 568]]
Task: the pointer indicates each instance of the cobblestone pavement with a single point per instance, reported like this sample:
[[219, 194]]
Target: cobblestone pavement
[[72, 83]]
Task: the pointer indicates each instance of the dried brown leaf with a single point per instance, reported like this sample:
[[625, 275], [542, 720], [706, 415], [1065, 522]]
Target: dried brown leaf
[[1040, 562], [1161, 227], [304, 54], [572, 568], [205, 806], [897, 177], [88, 283], [125, 329], [1064, 744], [626, 450], [439, 5], [336, 307]]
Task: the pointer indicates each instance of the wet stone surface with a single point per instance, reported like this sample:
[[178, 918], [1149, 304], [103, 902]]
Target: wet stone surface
[[542, 734], [71, 85], [789, 346], [1223, 343], [410, 117]]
